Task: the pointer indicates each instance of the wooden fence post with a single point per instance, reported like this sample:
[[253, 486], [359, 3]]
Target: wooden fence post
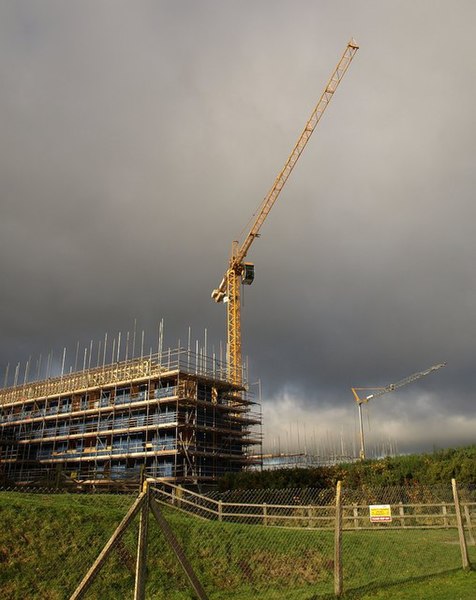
[[444, 510], [459, 521], [309, 516], [110, 545], [141, 562], [355, 511], [177, 549], [265, 514], [469, 525], [338, 542], [220, 510], [401, 512]]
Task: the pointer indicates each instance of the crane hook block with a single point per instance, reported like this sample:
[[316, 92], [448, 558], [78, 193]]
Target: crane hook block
[[248, 274]]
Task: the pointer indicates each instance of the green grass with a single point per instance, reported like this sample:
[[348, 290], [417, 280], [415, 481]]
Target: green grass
[[48, 542], [458, 585]]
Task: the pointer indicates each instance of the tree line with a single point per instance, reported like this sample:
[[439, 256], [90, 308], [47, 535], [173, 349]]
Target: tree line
[[438, 467]]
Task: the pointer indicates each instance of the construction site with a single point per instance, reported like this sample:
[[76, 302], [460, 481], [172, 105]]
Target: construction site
[[178, 416], [173, 415], [312, 444]]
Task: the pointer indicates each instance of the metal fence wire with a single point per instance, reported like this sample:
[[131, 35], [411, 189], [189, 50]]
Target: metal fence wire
[[396, 534], [49, 539], [239, 545]]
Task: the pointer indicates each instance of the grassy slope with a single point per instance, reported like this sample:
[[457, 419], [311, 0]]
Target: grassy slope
[[46, 540], [47, 543]]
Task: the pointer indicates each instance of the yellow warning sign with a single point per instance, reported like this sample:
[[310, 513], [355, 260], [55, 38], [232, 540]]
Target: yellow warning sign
[[380, 513]]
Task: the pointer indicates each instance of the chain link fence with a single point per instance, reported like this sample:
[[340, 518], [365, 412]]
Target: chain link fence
[[392, 535], [49, 539], [239, 545]]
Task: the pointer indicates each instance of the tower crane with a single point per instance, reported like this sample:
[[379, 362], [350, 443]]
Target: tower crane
[[238, 270], [380, 391]]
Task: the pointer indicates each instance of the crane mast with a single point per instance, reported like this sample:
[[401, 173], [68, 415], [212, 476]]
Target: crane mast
[[380, 391], [238, 271]]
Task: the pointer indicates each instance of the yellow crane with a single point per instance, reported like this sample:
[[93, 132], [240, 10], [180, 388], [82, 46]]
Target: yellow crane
[[241, 272], [380, 391]]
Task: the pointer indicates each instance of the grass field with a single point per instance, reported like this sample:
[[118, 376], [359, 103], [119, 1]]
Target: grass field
[[48, 542], [457, 585]]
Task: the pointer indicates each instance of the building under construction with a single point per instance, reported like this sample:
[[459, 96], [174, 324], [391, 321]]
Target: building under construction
[[172, 415], [180, 416]]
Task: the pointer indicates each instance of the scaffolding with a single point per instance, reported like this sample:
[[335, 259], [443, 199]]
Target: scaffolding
[[172, 415], [304, 460]]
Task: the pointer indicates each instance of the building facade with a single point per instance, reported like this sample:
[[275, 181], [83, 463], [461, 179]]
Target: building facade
[[172, 416]]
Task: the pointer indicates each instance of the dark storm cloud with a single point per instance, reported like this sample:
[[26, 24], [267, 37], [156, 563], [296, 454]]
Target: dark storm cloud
[[137, 140]]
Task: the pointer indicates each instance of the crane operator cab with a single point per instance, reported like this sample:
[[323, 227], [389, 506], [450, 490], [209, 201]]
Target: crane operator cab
[[248, 275]]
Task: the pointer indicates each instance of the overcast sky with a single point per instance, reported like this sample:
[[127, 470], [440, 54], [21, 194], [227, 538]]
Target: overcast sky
[[138, 138]]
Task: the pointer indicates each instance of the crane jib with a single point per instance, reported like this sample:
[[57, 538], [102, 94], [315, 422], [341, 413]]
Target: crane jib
[[228, 290]]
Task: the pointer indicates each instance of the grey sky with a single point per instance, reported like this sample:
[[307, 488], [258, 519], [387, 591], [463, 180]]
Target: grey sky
[[139, 138]]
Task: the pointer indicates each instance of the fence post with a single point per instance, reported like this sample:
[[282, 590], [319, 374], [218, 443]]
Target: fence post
[[469, 525], [265, 514], [444, 510], [401, 512], [309, 516], [220, 510], [459, 521], [355, 511], [141, 562], [178, 550], [110, 545], [179, 495], [338, 542]]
